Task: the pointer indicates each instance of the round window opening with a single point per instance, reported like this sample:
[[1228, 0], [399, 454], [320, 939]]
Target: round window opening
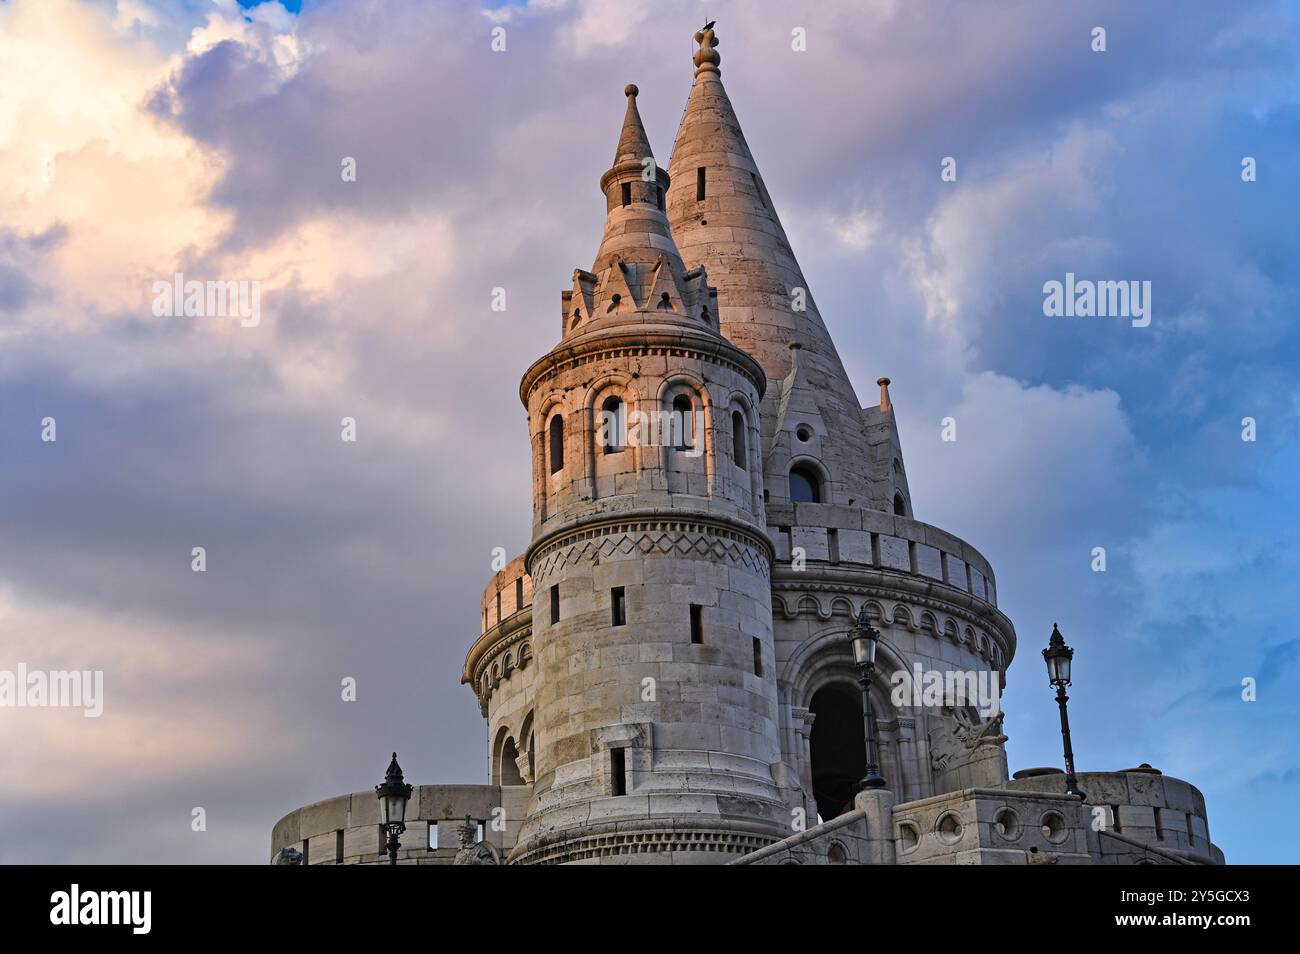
[[1054, 828], [949, 829], [1007, 824], [803, 432]]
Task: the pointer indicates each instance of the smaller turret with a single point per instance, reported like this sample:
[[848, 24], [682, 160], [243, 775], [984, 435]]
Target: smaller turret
[[656, 697], [638, 277]]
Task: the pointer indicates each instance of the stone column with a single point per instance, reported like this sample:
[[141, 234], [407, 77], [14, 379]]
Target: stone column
[[878, 804]]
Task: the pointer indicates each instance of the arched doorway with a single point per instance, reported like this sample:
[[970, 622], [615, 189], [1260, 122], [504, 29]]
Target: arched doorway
[[510, 764], [838, 744]]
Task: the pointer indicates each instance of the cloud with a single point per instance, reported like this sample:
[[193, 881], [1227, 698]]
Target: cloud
[[210, 141]]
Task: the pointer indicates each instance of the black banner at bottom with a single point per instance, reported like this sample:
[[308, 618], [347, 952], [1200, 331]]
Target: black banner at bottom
[[333, 903]]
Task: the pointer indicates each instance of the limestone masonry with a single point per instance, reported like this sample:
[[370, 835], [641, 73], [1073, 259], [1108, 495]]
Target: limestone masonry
[[665, 671]]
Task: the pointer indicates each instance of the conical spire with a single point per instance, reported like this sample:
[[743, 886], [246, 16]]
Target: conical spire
[[720, 210], [632, 142], [638, 276], [722, 217]]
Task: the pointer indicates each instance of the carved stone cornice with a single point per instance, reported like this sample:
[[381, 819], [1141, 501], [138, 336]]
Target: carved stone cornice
[[642, 342], [514, 629], [877, 583], [649, 529]]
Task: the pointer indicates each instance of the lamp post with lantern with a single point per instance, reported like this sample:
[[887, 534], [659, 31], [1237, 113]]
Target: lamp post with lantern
[[1058, 656], [393, 795], [863, 639]]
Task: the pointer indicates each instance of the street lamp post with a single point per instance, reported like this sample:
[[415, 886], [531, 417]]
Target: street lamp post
[[393, 795], [1058, 656], [863, 638]]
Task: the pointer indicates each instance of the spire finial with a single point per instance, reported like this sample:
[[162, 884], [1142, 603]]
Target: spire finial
[[706, 57], [632, 142], [884, 394]]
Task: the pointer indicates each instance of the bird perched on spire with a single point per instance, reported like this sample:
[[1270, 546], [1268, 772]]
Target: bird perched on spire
[[706, 57]]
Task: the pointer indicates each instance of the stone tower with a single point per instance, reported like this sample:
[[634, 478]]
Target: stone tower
[[722, 217], [655, 711], [664, 671], [838, 506]]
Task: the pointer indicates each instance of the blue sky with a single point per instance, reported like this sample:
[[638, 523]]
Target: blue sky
[[207, 138]]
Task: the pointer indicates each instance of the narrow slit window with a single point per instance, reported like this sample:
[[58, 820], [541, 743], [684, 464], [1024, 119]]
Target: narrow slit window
[[738, 450], [627, 193], [759, 189], [557, 444], [555, 603], [617, 607], [617, 772], [1114, 815], [613, 419], [683, 423], [1160, 828], [661, 199], [697, 624], [699, 184], [758, 657], [498, 606], [338, 846], [519, 593]]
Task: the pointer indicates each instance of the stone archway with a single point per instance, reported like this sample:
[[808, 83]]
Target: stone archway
[[510, 764], [837, 744], [823, 662]]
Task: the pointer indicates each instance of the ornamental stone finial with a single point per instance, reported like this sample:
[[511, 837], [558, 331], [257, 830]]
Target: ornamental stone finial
[[706, 57]]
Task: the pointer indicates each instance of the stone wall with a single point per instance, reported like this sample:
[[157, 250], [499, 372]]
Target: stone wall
[[863, 836], [1139, 807], [992, 827], [862, 537], [346, 829]]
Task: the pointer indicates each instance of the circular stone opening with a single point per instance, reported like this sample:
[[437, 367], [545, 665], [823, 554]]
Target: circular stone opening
[[948, 828], [803, 432], [1053, 824], [1007, 824]]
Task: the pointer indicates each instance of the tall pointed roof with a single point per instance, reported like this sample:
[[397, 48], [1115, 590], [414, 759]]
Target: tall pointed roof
[[632, 141], [736, 220], [722, 217], [638, 277]]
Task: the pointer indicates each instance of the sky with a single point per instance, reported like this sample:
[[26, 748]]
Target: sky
[[141, 138]]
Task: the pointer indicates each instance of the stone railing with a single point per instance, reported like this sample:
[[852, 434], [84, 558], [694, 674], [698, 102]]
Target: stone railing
[[346, 829], [508, 592], [837, 535]]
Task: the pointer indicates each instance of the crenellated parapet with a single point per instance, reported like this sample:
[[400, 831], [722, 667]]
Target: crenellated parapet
[[913, 576]]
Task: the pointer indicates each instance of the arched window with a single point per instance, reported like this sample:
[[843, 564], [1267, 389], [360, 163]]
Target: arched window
[[612, 421], [900, 505], [682, 423], [738, 451], [805, 485], [557, 444]]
